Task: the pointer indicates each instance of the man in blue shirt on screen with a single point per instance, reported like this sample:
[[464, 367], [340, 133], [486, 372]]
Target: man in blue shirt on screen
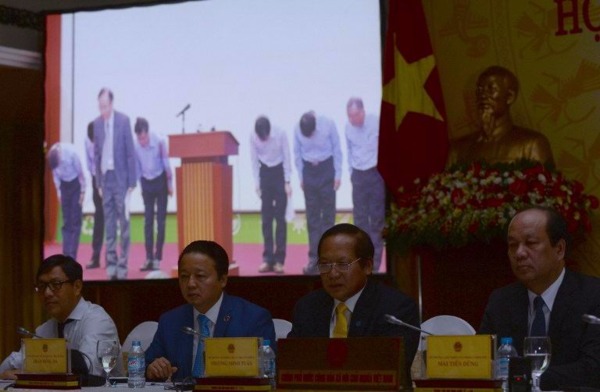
[[318, 158], [156, 180], [70, 189]]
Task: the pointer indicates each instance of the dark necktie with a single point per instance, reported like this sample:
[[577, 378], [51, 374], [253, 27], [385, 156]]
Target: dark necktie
[[61, 328], [198, 369], [538, 327]]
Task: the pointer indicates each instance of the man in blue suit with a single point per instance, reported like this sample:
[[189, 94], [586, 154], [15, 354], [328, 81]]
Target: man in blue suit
[[203, 268], [114, 156]]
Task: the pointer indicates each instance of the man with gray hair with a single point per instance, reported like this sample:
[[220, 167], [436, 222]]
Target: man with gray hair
[[116, 177], [368, 188]]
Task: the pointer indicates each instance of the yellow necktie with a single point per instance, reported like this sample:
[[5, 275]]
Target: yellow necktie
[[340, 330]]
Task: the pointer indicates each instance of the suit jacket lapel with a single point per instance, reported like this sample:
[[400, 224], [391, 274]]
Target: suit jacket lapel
[[322, 317], [362, 311], [187, 341], [225, 317], [519, 318], [562, 303]]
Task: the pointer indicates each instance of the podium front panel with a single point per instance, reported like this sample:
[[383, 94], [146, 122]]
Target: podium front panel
[[205, 204]]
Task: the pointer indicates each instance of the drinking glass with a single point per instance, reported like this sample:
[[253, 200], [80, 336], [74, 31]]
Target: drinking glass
[[107, 352], [538, 349]]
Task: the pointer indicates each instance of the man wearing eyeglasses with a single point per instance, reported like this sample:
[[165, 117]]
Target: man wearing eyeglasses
[[59, 282], [351, 304]]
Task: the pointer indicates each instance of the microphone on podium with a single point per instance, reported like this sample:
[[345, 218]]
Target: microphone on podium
[[23, 331], [393, 320], [590, 319], [183, 110]]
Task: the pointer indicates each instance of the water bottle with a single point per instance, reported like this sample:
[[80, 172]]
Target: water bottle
[[503, 355], [268, 364], [136, 366]]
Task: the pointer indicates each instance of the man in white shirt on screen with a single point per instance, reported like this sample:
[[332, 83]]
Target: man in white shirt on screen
[[270, 157], [368, 188]]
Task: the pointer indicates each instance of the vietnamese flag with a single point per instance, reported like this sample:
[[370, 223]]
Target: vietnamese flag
[[413, 139]]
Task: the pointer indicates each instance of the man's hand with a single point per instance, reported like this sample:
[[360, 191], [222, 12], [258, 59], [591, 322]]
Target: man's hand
[[100, 192], [9, 374], [159, 369], [81, 195], [258, 192], [288, 189], [336, 185]]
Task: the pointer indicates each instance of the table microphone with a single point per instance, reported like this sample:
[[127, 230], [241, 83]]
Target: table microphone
[[588, 318], [23, 331], [393, 320]]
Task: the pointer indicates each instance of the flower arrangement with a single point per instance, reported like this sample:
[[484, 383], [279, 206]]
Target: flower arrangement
[[472, 203]]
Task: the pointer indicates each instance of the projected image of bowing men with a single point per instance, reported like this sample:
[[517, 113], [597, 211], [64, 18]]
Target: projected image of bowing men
[[70, 189], [351, 304], [271, 168], [156, 180], [211, 312], [116, 176]]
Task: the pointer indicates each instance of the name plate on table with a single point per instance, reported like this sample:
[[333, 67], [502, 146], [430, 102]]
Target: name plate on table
[[47, 381], [457, 385], [352, 364], [231, 357], [45, 356], [460, 357]]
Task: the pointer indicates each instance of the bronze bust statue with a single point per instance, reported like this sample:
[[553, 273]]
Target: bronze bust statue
[[499, 140]]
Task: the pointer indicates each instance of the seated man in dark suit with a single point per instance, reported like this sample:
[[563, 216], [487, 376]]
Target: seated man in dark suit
[[203, 268], [350, 304], [537, 242]]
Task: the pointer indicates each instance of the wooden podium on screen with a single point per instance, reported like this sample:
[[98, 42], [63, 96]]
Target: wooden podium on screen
[[204, 187]]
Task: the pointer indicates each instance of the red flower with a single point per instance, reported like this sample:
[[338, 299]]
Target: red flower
[[594, 203], [519, 187], [457, 196], [473, 227]]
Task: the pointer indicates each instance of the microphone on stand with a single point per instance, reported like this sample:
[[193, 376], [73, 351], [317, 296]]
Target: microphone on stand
[[23, 331], [182, 114], [393, 320], [183, 110], [588, 318]]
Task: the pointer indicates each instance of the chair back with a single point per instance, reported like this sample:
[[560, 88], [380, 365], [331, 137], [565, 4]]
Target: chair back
[[445, 325], [144, 332], [282, 328]]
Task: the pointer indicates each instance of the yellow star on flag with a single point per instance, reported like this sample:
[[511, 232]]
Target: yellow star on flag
[[407, 91]]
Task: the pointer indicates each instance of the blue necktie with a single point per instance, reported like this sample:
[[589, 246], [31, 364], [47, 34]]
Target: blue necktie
[[538, 327], [204, 323]]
